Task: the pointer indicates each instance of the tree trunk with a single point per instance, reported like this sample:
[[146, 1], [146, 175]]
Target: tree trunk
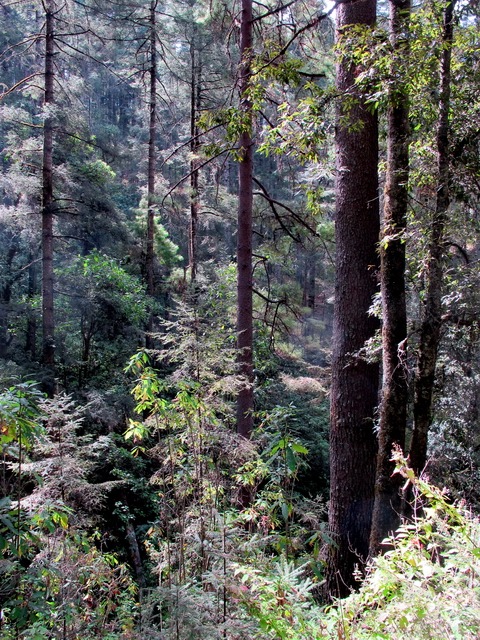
[[47, 200], [31, 338], [4, 309], [432, 309], [195, 99], [354, 394], [393, 409], [5, 299], [244, 241], [311, 281], [135, 554], [151, 171]]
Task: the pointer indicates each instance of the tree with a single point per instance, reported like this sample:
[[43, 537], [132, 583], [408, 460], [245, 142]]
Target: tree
[[149, 267], [244, 239], [195, 106], [393, 408], [48, 322], [354, 394], [432, 307]]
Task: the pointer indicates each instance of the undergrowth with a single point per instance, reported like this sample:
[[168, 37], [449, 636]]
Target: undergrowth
[[234, 553], [426, 586]]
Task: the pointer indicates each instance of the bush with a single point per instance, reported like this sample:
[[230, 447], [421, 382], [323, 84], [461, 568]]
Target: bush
[[426, 586]]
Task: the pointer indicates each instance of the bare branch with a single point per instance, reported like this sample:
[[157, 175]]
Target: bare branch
[[18, 84]]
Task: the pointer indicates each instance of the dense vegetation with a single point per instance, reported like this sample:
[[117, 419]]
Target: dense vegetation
[[165, 394]]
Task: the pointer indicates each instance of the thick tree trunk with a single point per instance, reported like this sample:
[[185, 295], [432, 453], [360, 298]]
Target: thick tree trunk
[[393, 409], [354, 394], [151, 171], [47, 199], [244, 242], [432, 310]]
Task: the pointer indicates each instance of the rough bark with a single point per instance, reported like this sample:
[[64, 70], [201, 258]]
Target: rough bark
[[150, 257], [432, 309], [47, 197], [354, 394], [393, 409], [244, 238]]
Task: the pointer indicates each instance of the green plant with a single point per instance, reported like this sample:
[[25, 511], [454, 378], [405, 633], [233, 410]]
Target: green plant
[[54, 580], [427, 585], [279, 597]]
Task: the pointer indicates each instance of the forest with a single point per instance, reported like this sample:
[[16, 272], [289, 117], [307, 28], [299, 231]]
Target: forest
[[239, 319]]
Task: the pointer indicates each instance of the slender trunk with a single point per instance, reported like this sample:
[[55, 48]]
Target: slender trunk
[[135, 554], [393, 409], [195, 98], [47, 199], [354, 394], [87, 331], [432, 309], [30, 343], [133, 545], [311, 281], [4, 309], [151, 171], [244, 241], [6, 296], [303, 276]]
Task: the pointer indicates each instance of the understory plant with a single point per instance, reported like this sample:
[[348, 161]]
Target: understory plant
[[428, 584], [54, 581], [224, 501]]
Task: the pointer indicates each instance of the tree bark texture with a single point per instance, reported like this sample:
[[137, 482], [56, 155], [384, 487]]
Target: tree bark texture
[[354, 394], [432, 310], [150, 257], [244, 239], [393, 409], [47, 195]]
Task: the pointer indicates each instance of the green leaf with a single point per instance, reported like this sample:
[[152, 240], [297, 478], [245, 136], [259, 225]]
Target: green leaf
[[264, 626], [299, 448], [292, 463]]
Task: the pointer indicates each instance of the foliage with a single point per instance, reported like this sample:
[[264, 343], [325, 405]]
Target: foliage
[[206, 521], [53, 577], [19, 412], [427, 584], [103, 308], [68, 587], [279, 597], [233, 530], [166, 250]]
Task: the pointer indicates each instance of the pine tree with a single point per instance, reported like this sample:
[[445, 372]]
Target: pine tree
[[354, 394], [244, 238], [393, 409]]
